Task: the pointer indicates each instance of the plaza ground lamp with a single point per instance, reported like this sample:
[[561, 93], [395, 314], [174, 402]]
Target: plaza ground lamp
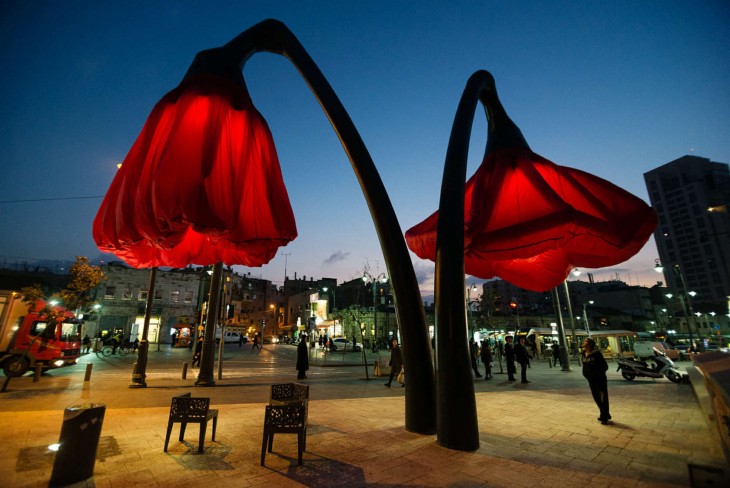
[[202, 185], [519, 217]]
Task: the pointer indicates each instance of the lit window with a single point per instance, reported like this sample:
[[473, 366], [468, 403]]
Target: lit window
[[110, 291], [174, 296]]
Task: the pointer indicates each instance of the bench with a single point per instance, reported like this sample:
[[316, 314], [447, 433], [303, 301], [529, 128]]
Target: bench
[[186, 409]]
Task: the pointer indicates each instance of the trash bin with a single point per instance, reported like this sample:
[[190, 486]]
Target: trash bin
[[78, 442]]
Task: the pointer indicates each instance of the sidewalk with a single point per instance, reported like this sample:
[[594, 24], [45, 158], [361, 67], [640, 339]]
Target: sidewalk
[[541, 434]]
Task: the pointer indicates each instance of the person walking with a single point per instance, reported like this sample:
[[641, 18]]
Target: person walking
[[87, 343], [486, 356], [256, 343], [302, 357], [198, 351], [594, 370], [523, 357], [509, 357], [556, 354], [396, 362], [473, 354]]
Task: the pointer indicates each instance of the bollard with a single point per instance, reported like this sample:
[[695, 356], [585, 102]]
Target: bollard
[[38, 371], [87, 376], [185, 371], [77, 444], [377, 368]]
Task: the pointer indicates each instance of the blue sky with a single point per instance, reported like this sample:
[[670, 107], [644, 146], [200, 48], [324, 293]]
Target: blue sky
[[613, 88]]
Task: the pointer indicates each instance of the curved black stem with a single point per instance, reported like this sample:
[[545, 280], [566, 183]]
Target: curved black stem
[[273, 36], [456, 416]]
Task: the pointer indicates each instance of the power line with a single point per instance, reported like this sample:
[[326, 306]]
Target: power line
[[51, 199]]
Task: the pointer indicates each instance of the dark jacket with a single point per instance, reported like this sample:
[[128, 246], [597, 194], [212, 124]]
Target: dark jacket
[[509, 352], [486, 354], [302, 356], [521, 354], [396, 361], [594, 366]]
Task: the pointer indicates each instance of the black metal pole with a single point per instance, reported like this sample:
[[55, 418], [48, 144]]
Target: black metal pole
[[139, 374], [273, 36], [207, 358], [456, 421]]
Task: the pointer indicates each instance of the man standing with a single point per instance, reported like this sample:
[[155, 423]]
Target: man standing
[[523, 357], [509, 354], [474, 353], [594, 370], [302, 358]]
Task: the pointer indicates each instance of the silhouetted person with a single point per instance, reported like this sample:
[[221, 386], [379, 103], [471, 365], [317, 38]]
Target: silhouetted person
[[556, 354], [396, 362], [486, 355], [522, 357], [509, 355], [594, 370], [302, 358], [198, 351], [473, 353]]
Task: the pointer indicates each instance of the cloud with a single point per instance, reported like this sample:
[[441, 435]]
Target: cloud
[[336, 257]]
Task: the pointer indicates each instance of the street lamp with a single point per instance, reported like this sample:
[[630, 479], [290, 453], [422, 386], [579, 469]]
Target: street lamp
[[368, 278], [687, 294], [585, 316], [334, 296]]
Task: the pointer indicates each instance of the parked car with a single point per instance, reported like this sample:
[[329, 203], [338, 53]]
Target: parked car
[[342, 344], [645, 349], [271, 340], [230, 337]]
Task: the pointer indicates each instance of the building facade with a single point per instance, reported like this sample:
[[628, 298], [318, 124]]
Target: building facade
[[691, 196]]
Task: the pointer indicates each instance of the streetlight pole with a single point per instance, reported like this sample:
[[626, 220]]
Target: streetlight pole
[[585, 316], [687, 294], [367, 277], [140, 370]]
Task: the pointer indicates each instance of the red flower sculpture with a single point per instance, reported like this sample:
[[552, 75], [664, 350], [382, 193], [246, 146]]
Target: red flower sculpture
[[530, 221], [202, 183]]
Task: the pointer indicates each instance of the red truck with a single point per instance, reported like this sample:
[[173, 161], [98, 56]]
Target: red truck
[[29, 336]]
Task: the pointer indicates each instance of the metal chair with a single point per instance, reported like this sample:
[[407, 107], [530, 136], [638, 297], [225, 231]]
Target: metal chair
[[284, 393], [290, 418], [186, 409]]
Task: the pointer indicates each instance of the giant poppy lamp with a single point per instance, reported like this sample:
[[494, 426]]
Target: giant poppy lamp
[[203, 185], [519, 217]]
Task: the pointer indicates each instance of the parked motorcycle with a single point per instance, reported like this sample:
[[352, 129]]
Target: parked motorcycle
[[662, 366]]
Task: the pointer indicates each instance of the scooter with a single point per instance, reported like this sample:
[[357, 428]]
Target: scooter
[[663, 366]]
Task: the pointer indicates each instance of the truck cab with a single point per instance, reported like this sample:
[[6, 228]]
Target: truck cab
[[33, 335]]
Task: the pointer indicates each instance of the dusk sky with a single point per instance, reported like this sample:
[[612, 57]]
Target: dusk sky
[[612, 88]]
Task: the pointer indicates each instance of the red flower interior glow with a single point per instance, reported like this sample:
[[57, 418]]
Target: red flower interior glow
[[530, 221], [202, 184]]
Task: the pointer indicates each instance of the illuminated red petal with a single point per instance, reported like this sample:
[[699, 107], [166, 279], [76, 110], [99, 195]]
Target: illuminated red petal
[[529, 221], [202, 184]]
